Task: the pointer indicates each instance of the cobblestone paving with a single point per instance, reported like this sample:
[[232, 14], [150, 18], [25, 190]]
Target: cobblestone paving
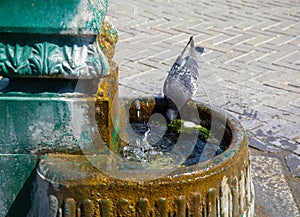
[[251, 64]]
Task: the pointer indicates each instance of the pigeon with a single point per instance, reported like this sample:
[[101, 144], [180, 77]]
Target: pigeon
[[182, 81], [3, 83]]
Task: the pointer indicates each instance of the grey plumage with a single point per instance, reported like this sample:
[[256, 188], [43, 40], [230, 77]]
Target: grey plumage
[[182, 81]]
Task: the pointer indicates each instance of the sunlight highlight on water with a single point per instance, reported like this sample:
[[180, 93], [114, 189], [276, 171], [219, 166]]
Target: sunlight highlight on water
[[141, 150]]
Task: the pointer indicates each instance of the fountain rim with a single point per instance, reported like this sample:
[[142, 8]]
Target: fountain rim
[[237, 142], [236, 150], [212, 166]]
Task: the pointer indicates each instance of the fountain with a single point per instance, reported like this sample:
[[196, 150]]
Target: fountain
[[66, 137]]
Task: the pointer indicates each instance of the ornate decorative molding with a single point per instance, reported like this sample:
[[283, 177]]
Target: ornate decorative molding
[[47, 59], [234, 197]]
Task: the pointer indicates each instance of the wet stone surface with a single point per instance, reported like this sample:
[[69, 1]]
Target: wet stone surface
[[261, 144], [251, 68], [293, 162], [271, 189]]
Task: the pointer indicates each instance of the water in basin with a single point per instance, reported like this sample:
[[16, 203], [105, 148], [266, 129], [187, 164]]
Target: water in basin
[[155, 142]]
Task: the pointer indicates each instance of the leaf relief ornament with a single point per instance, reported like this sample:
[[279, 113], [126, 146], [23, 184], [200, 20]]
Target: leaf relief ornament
[[97, 62], [15, 59], [46, 59], [74, 62]]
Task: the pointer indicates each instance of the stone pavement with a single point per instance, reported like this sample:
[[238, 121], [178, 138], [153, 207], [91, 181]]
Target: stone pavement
[[251, 68]]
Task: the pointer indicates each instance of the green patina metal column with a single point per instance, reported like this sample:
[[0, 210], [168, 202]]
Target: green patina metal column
[[55, 54]]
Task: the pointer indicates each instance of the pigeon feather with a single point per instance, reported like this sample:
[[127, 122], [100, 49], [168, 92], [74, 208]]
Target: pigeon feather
[[182, 81]]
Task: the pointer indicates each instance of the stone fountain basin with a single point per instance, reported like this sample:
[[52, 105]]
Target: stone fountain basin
[[93, 185]]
